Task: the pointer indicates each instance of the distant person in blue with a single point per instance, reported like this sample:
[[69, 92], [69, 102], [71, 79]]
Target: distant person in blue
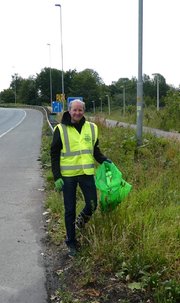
[[74, 147]]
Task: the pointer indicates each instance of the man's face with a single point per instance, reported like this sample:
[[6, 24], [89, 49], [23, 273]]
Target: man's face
[[76, 112]]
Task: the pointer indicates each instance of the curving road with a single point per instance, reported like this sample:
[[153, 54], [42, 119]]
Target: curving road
[[22, 274]]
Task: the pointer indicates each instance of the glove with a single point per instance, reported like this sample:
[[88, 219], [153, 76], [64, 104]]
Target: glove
[[59, 184], [108, 161]]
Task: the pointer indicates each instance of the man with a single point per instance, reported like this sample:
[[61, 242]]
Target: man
[[74, 146]]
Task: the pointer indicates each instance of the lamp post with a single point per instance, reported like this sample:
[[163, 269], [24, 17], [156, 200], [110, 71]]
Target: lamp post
[[60, 9], [157, 80], [101, 103], [14, 77], [15, 93], [94, 107], [50, 76], [139, 127], [124, 99], [109, 105]]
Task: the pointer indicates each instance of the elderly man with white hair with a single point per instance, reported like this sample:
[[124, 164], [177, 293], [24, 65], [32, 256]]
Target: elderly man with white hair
[[74, 147]]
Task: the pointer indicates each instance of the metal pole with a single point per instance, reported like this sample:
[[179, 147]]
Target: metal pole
[[59, 5], [101, 103], [157, 92], [124, 100], [15, 89], [14, 79], [109, 105], [94, 107], [140, 81], [50, 76]]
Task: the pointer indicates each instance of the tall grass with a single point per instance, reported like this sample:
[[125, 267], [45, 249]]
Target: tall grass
[[144, 231], [167, 118], [140, 239]]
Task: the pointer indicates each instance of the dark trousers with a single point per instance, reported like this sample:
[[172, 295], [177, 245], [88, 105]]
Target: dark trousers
[[87, 185]]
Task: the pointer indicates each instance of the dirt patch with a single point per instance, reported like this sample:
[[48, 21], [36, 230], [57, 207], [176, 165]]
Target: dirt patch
[[64, 282]]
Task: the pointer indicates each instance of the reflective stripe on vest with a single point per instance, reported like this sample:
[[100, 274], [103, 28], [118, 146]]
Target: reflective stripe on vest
[[77, 166], [66, 139]]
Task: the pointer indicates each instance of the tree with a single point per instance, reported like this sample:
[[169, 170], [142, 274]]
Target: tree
[[68, 80], [117, 88], [43, 84], [87, 84], [170, 118], [15, 85], [28, 91], [163, 87], [7, 96]]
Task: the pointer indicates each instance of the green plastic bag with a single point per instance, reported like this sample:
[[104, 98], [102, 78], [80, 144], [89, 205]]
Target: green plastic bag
[[113, 188]]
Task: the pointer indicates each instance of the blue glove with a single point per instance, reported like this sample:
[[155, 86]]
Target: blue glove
[[59, 184]]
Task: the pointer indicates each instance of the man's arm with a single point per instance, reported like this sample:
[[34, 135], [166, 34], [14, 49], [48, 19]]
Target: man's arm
[[99, 157], [55, 153]]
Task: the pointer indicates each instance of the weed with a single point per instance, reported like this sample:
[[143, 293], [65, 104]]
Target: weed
[[139, 240]]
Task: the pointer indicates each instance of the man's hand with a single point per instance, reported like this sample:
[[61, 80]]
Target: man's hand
[[59, 184]]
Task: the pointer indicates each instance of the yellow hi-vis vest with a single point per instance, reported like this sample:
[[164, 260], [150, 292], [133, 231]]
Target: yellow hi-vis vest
[[77, 151]]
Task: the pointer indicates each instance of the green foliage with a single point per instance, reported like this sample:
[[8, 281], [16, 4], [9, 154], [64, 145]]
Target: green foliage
[[43, 84], [170, 119], [143, 232], [28, 92], [168, 292], [7, 96], [138, 241], [86, 84], [56, 228], [45, 146], [167, 118]]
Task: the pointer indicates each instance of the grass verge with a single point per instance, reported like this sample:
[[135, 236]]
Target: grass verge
[[139, 241]]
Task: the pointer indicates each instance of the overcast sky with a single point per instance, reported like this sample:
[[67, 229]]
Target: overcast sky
[[98, 34]]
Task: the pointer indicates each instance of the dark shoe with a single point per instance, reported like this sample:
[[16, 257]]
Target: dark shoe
[[81, 220], [72, 250]]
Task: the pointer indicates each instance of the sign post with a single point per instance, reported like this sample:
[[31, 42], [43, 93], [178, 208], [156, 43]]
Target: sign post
[[69, 99], [57, 107]]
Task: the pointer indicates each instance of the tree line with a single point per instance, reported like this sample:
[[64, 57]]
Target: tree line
[[35, 90]]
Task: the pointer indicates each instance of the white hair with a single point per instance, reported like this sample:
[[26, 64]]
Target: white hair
[[78, 101]]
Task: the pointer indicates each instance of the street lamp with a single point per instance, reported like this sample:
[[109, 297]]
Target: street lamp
[[157, 79], [94, 107], [50, 77], [101, 103], [60, 8], [139, 129], [14, 77], [124, 98], [15, 93], [109, 105]]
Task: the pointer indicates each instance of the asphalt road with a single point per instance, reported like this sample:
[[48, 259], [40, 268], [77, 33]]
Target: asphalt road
[[22, 273]]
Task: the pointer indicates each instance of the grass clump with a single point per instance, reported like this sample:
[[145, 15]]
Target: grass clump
[[139, 241]]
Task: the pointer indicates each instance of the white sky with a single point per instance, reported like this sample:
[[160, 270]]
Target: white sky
[[97, 34]]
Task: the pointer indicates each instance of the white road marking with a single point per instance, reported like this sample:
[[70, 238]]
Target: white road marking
[[3, 134]]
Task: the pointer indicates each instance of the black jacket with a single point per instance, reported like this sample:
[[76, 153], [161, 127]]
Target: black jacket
[[56, 145]]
